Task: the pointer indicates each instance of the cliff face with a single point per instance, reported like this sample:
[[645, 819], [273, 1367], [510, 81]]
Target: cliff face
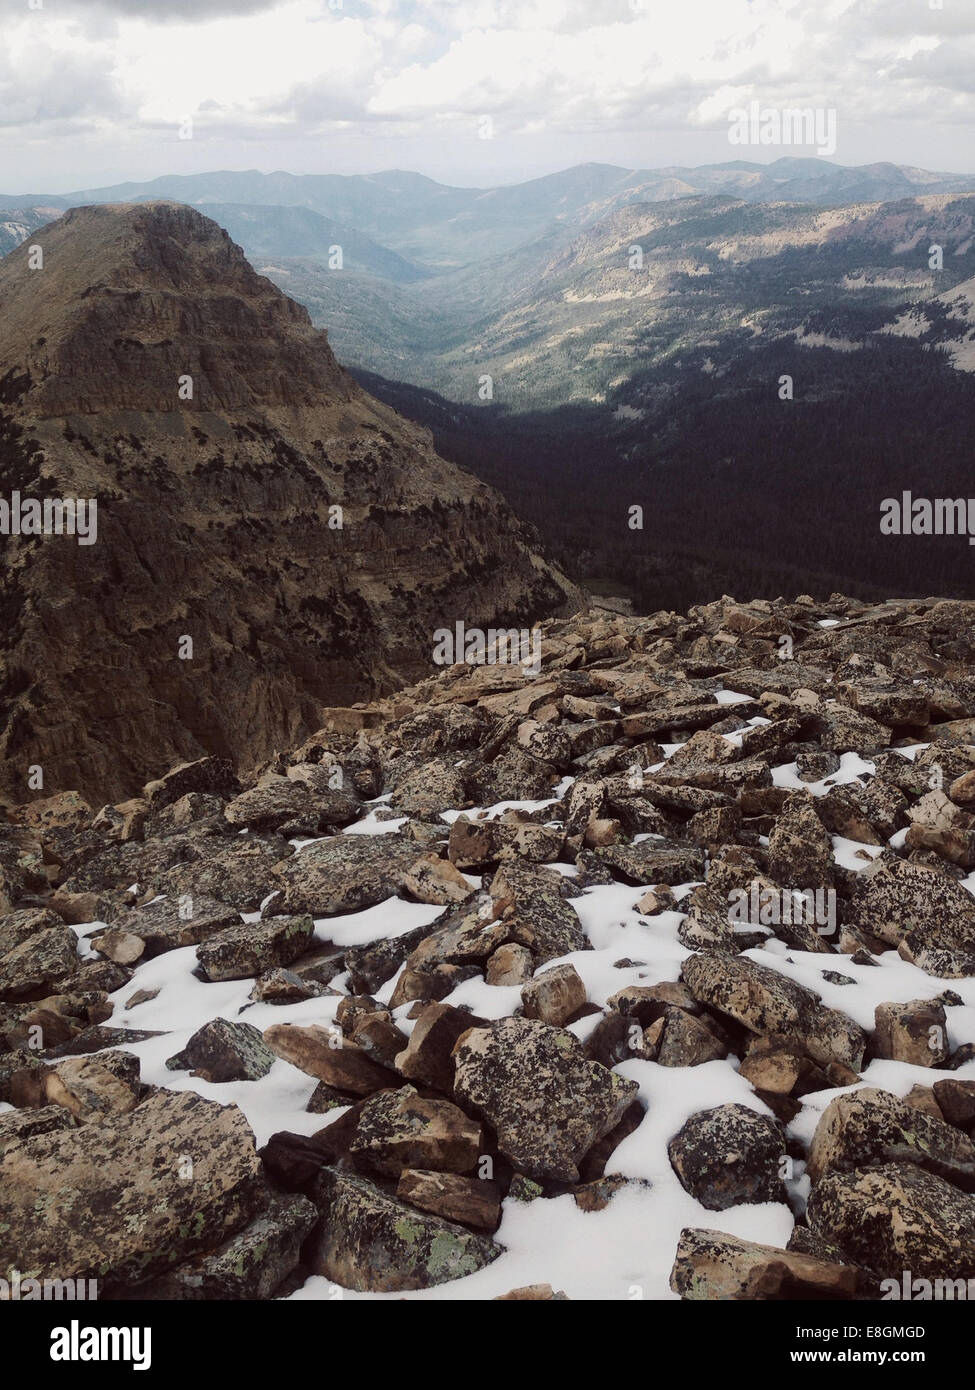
[[226, 598]]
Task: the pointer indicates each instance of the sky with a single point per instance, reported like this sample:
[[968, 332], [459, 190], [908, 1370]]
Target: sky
[[472, 92]]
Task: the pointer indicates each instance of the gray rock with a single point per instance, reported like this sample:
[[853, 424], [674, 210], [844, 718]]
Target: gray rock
[[540, 1093], [372, 1243], [728, 1156], [225, 1051], [345, 874], [236, 953]]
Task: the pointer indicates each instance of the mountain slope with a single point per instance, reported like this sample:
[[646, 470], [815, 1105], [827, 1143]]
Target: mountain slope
[[216, 513]]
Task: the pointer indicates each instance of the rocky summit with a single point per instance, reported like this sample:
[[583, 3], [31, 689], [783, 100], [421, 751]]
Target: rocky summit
[[651, 969], [255, 537]]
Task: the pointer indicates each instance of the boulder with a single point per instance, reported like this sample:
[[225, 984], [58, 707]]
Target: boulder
[[373, 1243], [125, 1200], [225, 1051], [896, 1218], [401, 1129], [546, 1101], [715, 1265], [873, 1126], [250, 948], [327, 1055], [554, 995], [249, 1266], [729, 1155], [767, 1002], [345, 874]]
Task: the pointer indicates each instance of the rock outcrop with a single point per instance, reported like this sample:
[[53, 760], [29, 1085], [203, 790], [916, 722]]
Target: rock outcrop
[[270, 540]]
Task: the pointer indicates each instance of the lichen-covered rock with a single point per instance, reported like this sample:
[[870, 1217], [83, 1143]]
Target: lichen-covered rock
[[895, 899], [124, 1200], [766, 1002], [345, 874], [528, 903], [214, 776], [540, 1093], [250, 948], [17, 927], [225, 1051], [715, 1265], [238, 871], [401, 1129], [873, 1126], [729, 1155], [648, 861], [250, 1265], [40, 961], [373, 1243], [897, 1217], [97, 1087], [283, 804], [800, 852], [18, 1125]]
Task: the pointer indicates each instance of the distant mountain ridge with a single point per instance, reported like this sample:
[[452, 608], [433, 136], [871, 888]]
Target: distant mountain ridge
[[441, 225]]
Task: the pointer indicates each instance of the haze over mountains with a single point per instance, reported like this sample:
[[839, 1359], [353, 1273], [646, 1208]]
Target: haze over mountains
[[444, 225], [223, 606]]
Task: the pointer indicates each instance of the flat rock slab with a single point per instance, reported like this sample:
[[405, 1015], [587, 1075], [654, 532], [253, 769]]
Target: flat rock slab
[[171, 922], [325, 1054], [346, 873], [122, 1201], [401, 1129], [765, 1002], [714, 1265], [250, 1265]]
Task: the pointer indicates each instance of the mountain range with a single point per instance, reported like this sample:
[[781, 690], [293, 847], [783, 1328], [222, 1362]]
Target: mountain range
[[605, 337]]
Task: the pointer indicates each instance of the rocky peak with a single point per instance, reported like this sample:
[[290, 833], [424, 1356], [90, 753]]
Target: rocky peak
[[130, 299], [270, 539]]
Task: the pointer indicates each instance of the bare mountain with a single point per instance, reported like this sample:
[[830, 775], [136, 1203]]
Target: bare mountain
[[270, 539]]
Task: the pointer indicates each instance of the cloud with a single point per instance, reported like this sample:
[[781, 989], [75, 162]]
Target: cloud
[[417, 69], [155, 11]]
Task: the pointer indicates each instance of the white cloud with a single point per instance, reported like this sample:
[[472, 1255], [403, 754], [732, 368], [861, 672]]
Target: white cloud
[[295, 70]]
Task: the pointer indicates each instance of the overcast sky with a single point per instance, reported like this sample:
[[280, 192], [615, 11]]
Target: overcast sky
[[93, 92]]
